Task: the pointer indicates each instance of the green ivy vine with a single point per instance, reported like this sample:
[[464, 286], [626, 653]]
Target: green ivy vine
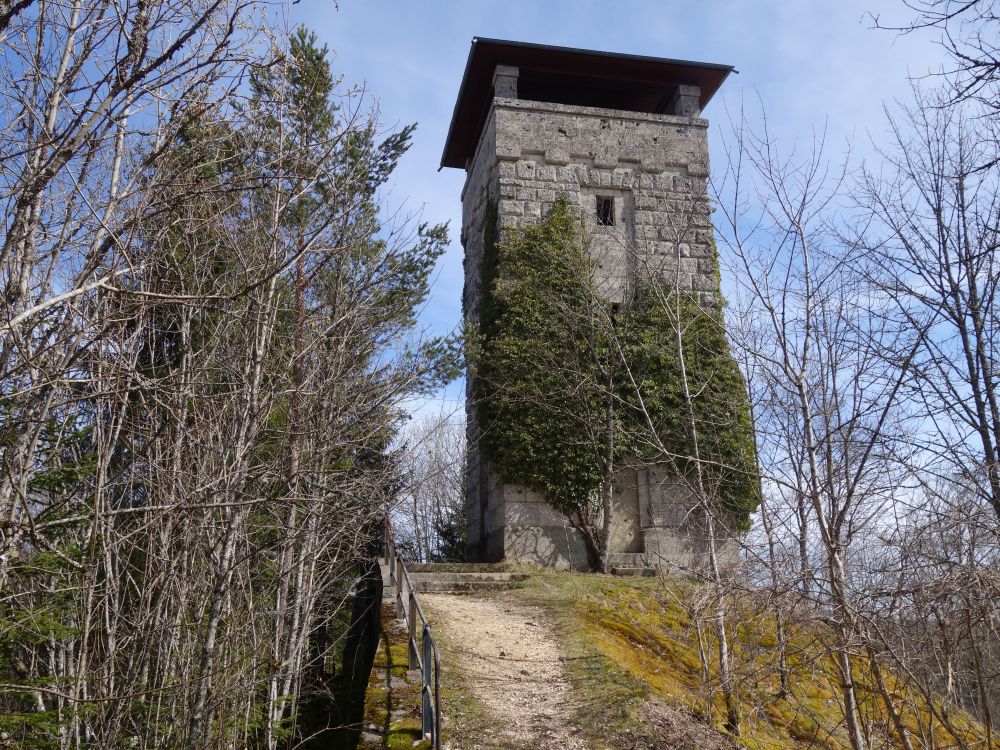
[[549, 350]]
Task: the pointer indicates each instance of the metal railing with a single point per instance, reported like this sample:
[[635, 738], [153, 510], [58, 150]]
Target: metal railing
[[423, 655]]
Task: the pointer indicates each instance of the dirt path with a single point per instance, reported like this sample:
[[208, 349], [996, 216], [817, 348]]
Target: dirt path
[[511, 663]]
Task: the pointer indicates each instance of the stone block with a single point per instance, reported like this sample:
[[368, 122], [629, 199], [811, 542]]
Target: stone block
[[521, 514], [685, 101], [669, 549], [510, 207], [661, 249], [666, 181], [505, 81], [549, 516], [556, 156], [493, 522], [495, 545], [623, 178], [704, 283], [605, 160], [551, 547], [652, 165], [526, 170], [508, 152], [698, 169], [547, 173], [688, 265]]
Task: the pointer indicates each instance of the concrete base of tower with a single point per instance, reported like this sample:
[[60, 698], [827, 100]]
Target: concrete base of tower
[[656, 524]]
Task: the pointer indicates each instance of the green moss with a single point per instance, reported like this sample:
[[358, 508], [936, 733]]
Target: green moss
[[536, 384], [390, 693], [406, 735], [376, 699]]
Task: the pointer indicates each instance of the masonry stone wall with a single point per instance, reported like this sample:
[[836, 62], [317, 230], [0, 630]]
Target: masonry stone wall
[[655, 168], [481, 186]]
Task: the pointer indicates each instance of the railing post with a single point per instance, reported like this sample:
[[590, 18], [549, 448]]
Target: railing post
[[411, 626], [427, 710], [390, 562], [437, 699], [400, 606]]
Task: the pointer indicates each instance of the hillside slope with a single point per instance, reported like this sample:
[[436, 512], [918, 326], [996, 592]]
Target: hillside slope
[[630, 652]]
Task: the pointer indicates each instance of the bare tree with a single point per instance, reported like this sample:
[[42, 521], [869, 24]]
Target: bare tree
[[434, 467], [968, 32], [92, 98], [929, 248], [207, 331], [931, 222], [833, 414]]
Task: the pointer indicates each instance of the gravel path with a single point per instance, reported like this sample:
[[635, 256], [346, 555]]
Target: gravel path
[[511, 662]]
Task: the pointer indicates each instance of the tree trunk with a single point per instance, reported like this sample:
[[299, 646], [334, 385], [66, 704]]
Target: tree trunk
[[890, 706], [845, 637], [608, 481], [578, 519]]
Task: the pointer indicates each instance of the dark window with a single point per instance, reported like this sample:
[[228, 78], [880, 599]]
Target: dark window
[[605, 211]]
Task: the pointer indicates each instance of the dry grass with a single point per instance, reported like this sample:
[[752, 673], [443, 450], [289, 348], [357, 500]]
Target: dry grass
[[631, 650], [633, 641]]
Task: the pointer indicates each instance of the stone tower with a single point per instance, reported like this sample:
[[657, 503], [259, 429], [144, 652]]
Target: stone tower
[[622, 136]]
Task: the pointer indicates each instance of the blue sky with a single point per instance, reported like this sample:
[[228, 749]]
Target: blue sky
[[814, 64]]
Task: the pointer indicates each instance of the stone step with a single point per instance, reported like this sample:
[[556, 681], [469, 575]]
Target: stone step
[[431, 586], [417, 577], [630, 560], [459, 567], [458, 577], [634, 572]]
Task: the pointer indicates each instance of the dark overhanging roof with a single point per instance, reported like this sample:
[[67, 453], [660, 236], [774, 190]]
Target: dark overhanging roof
[[569, 76]]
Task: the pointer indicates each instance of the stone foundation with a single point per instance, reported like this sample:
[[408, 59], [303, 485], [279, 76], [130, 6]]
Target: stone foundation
[[655, 524]]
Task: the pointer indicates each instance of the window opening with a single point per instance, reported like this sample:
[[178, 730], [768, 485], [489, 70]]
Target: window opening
[[605, 211]]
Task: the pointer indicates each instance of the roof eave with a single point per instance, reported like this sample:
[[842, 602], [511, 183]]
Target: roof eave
[[454, 154]]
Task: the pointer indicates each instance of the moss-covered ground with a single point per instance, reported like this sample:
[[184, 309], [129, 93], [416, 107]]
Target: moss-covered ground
[[392, 703], [632, 642], [632, 653]]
